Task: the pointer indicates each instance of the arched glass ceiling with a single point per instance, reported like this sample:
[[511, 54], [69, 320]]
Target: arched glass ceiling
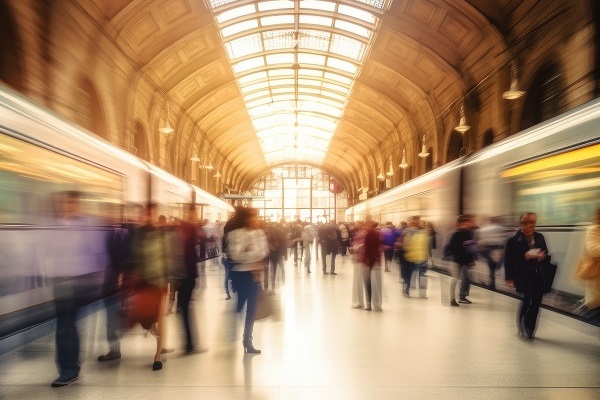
[[295, 63]]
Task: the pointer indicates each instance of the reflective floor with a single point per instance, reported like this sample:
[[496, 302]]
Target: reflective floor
[[324, 349]]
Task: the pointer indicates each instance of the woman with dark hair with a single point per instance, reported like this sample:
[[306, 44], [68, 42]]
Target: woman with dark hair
[[525, 252], [247, 248]]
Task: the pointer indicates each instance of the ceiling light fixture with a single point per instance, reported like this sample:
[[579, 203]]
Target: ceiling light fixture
[[403, 163], [166, 128], [462, 126], [424, 152], [514, 92]]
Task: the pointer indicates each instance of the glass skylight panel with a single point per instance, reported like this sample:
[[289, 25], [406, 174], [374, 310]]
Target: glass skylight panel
[[259, 110], [353, 28], [256, 95], [248, 64], [314, 40], [347, 47], [337, 77], [309, 82], [311, 120], [282, 90], [280, 58], [277, 20], [244, 46], [279, 39], [337, 88], [310, 72], [375, 3], [318, 5], [332, 103], [280, 72], [341, 64], [308, 90], [255, 86], [315, 20], [275, 93], [275, 5], [256, 102], [356, 13], [339, 97], [239, 27], [235, 13], [307, 58], [242, 80], [281, 82], [217, 3]]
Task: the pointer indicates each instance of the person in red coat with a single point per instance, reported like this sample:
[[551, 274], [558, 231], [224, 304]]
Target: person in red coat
[[372, 266]]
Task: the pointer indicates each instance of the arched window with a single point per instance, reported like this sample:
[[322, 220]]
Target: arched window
[[455, 144], [543, 97], [140, 141], [11, 62], [90, 111]]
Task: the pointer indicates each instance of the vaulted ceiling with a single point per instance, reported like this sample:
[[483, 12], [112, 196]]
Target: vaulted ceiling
[[424, 56]]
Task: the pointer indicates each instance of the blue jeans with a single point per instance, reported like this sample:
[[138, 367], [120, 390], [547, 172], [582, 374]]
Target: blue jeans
[[247, 294]]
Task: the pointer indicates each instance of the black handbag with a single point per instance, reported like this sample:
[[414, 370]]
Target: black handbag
[[548, 271]]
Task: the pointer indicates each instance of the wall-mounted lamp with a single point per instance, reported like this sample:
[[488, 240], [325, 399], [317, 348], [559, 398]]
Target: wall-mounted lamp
[[423, 152], [166, 128], [217, 175], [514, 92], [381, 177], [462, 126], [403, 163]]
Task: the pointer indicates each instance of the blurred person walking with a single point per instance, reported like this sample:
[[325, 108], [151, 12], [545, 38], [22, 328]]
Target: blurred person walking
[[588, 269], [153, 253], [416, 246], [371, 267], [461, 250], [309, 234], [247, 247], [358, 249], [389, 234], [329, 236], [491, 239], [187, 279], [524, 256], [277, 253], [117, 277], [73, 257]]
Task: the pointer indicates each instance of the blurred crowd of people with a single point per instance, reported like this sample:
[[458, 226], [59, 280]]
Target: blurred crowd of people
[[154, 265]]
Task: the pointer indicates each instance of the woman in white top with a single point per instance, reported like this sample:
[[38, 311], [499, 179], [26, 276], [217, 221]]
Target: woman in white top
[[247, 248]]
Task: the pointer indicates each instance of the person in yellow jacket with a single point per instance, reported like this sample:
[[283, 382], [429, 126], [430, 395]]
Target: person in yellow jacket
[[591, 282], [416, 246]]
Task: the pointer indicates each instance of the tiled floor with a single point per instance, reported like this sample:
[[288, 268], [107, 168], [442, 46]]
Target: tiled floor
[[324, 349]]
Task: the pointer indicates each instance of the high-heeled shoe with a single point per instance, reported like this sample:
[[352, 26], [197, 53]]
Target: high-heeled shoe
[[249, 348]]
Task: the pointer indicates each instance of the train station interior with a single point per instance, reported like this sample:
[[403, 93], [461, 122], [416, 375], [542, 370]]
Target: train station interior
[[313, 111]]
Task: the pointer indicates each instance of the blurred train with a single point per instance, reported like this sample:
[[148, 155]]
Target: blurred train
[[42, 156], [552, 169]]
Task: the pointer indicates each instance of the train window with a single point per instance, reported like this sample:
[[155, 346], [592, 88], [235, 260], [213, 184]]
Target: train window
[[564, 189], [31, 176]]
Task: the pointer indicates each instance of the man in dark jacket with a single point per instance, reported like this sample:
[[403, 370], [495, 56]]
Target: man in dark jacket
[[461, 250], [524, 254]]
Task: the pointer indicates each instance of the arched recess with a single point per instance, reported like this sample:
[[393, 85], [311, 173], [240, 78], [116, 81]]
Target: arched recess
[[11, 53], [140, 141], [90, 112], [455, 144], [488, 137], [544, 96]]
